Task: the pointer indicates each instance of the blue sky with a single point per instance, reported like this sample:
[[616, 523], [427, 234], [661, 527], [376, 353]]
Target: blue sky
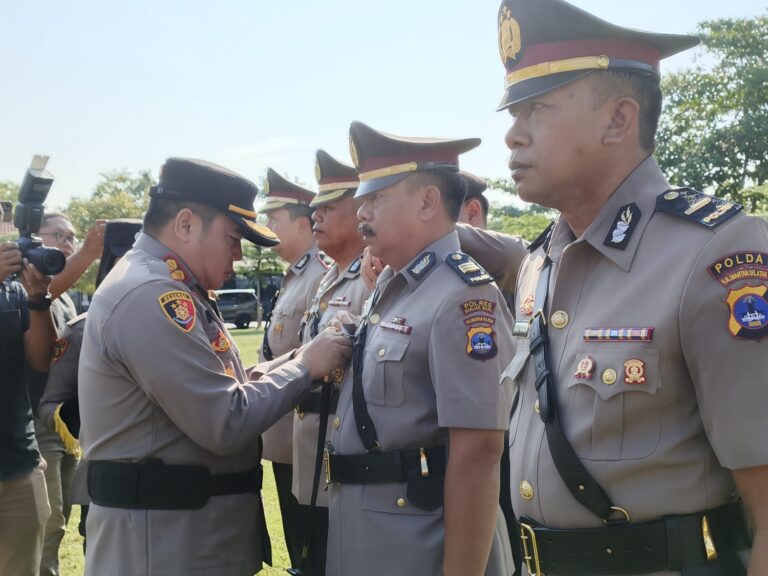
[[102, 85]]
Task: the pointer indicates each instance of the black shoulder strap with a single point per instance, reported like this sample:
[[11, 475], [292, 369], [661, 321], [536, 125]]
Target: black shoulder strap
[[266, 351], [365, 428], [576, 477]]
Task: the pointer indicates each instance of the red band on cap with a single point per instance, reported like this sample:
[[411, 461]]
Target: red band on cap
[[335, 179], [613, 48], [442, 156]]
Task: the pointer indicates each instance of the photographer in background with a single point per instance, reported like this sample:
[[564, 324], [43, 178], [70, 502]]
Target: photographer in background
[[58, 232], [27, 336]]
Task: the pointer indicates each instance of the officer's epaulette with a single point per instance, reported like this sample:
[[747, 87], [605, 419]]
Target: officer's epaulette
[[76, 319], [690, 204], [325, 260], [541, 238], [469, 270]]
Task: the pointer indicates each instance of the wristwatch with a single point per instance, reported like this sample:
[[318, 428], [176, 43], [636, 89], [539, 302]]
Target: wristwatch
[[42, 305]]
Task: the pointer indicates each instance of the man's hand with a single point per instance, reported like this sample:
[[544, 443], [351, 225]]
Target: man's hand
[[34, 281], [10, 259], [370, 268], [331, 349], [93, 243]]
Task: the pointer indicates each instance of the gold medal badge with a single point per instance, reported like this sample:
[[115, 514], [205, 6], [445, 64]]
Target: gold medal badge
[[510, 41]]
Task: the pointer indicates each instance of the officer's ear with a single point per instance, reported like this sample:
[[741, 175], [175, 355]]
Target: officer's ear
[[624, 115], [429, 202], [184, 224]]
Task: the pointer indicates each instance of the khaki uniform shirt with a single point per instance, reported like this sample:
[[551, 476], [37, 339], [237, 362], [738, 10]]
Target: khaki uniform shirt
[[657, 414], [423, 373], [62, 386], [500, 254], [299, 286], [160, 377], [338, 291]]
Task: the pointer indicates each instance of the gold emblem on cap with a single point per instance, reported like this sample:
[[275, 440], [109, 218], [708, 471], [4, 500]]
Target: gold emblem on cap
[[536, 407], [509, 36], [559, 319], [318, 172], [526, 490], [609, 376], [602, 61], [353, 152], [266, 186], [671, 195]]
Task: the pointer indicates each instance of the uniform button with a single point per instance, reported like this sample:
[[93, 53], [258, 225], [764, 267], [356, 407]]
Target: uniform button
[[536, 407], [374, 319], [336, 422], [559, 319], [382, 351], [323, 305], [401, 502], [671, 195], [609, 376], [526, 490]]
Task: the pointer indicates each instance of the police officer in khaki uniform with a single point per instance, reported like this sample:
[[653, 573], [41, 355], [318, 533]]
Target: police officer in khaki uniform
[[640, 362], [414, 462], [474, 209], [59, 407], [341, 290], [170, 420], [289, 215]]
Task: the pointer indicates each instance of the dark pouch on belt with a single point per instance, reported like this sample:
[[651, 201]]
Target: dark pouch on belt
[[426, 493]]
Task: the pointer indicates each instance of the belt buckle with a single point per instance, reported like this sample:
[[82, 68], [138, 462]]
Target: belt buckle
[[531, 561], [327, 464]]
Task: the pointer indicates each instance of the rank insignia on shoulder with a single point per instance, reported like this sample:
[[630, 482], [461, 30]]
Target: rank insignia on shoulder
[[302, 262], [221, 343], [467, 269], [174, 269], [623, 226], [325, 260], [690, 204], [179, 309], [748, 316], [740, 266], [422, 265], [481, 343], [59, 348], [354, 268]]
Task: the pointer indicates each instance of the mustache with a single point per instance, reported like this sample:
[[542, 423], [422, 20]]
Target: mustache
[[365, 230]]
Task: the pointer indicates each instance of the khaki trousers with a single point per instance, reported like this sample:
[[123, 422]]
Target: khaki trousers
[[58, 479], [24, 510]]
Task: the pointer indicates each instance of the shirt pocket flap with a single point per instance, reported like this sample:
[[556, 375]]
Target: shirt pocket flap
[[390, 349], [617, 371]]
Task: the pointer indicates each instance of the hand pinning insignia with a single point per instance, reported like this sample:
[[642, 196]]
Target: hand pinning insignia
[[179, 309], [623, 226]]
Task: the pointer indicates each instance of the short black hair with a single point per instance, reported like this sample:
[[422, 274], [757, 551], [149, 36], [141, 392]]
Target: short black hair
[[453, 188], [162, 211], [643, 89]]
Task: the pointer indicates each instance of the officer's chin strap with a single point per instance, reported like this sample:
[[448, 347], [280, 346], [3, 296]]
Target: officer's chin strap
[[576, 477]]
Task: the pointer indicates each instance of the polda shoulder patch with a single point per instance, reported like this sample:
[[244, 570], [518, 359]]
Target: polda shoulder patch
[[695, 206]]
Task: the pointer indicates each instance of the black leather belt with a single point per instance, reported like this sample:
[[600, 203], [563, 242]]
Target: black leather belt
[[670, 543], [385, 467], [153, 485], [310, 403]]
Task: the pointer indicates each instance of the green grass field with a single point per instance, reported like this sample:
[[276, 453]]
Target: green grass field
[[71, 553]]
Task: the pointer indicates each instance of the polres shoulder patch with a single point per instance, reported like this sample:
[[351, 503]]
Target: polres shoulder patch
[[467, 269], [179, 308], [690, 204]]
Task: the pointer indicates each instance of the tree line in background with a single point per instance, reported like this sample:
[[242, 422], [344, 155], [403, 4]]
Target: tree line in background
[[712, 136]]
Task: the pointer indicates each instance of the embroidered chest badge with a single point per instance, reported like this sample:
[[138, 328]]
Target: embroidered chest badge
[[634, 371], [59, 348], [179, 309], [623, 226], [748, 312], [221, 343]]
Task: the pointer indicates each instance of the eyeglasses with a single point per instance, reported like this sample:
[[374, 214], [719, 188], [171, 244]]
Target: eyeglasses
[[61, 237]]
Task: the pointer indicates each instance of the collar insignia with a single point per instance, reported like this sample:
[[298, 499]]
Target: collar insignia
[[623, 226], [423, 265]]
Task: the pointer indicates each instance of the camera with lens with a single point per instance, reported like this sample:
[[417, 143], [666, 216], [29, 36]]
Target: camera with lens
[[29, 215]]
